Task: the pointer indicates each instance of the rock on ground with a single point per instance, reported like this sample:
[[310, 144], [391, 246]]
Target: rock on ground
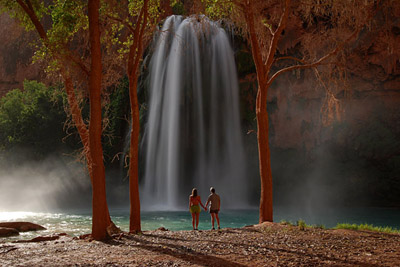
[[22, 226], [5, 232]]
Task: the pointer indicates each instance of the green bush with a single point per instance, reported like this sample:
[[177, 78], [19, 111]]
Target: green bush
[[33, 118]]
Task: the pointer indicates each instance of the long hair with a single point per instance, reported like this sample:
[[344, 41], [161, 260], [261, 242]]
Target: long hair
[[194, 192]]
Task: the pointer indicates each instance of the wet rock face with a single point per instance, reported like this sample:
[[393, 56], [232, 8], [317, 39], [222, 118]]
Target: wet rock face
[[16, 55], [5, 232]]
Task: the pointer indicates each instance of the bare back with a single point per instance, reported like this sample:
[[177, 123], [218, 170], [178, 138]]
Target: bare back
[[194, 200]]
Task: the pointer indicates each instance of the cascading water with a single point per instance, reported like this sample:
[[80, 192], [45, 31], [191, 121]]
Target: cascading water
[[193, 135]]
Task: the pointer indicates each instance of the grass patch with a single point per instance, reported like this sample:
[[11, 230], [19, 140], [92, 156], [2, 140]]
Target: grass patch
[[302, 224], [368, 227], [319, 226], [284, 222]]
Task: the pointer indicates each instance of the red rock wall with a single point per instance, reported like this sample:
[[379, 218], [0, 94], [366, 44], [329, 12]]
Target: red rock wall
[[373, 85], [15, 55]]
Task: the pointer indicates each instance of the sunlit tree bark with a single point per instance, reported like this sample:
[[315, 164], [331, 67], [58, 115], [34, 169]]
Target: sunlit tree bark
[[266, 203], [91, 138], [135, 54], [101, 218]]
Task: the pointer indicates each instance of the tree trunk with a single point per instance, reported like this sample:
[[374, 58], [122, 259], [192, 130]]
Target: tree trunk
[[135, 54], [91, 139], [100, 218], [134, 220], [266, 204]]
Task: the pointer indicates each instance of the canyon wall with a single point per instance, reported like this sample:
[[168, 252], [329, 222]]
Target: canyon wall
[[348, 155], [16, 52]]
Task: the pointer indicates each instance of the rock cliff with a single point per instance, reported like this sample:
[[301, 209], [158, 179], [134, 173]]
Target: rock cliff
[[16, 55]]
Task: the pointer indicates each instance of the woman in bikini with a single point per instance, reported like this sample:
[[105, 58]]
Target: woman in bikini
[[194, 208]]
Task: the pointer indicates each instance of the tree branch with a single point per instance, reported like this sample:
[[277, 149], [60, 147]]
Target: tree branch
[[35, 20], [275, 37], [255, 45], [305, 66], [140, 38], [130, 28], [291, 58], [332, 53], [136, 40], [73, 103]]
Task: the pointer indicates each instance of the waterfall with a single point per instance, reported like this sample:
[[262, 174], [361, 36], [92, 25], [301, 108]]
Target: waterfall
[[192, 137]]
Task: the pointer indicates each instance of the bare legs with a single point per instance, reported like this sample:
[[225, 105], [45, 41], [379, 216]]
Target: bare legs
[[213, 216], [195, 218]]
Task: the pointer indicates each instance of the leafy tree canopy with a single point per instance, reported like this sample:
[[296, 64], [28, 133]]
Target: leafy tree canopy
[[33, 118]]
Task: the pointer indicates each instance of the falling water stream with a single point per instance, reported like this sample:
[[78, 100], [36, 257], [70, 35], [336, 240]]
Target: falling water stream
[[193, 134]]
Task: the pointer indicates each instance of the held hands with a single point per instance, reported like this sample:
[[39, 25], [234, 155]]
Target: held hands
[[205, 208]]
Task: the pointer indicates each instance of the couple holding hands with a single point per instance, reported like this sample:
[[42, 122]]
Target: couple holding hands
[[194, 208]]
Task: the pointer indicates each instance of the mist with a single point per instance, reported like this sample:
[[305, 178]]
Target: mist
[[350, 162], [53, 183]]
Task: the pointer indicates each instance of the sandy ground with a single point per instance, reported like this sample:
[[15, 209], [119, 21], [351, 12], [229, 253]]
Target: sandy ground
[[263, 245]]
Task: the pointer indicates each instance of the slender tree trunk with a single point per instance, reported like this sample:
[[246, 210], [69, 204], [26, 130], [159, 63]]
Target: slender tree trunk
[[266, 203], [100, 218], [135, 54], [263, 70], [134, 220]]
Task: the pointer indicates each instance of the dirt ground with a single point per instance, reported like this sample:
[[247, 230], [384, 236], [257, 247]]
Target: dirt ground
[[269, 244]]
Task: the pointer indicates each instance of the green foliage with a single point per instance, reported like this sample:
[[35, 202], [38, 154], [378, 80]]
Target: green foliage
[[301, 224], [14, 10], [177, 7], [367, 227], [32, 118], [117, 111], [319, 226], [68, 18], [216, 9]]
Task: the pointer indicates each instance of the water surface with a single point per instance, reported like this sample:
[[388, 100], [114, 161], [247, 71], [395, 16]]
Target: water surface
[[76, 223]]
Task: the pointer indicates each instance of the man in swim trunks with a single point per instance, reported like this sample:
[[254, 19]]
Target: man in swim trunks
[[215, 201], [194, 208]]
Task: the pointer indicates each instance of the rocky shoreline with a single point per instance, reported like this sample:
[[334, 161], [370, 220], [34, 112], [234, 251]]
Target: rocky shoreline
[[269, 244]]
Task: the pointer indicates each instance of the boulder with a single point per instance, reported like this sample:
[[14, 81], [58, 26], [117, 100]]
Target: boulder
[[22, 226], [39, 239], [5, 232]]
